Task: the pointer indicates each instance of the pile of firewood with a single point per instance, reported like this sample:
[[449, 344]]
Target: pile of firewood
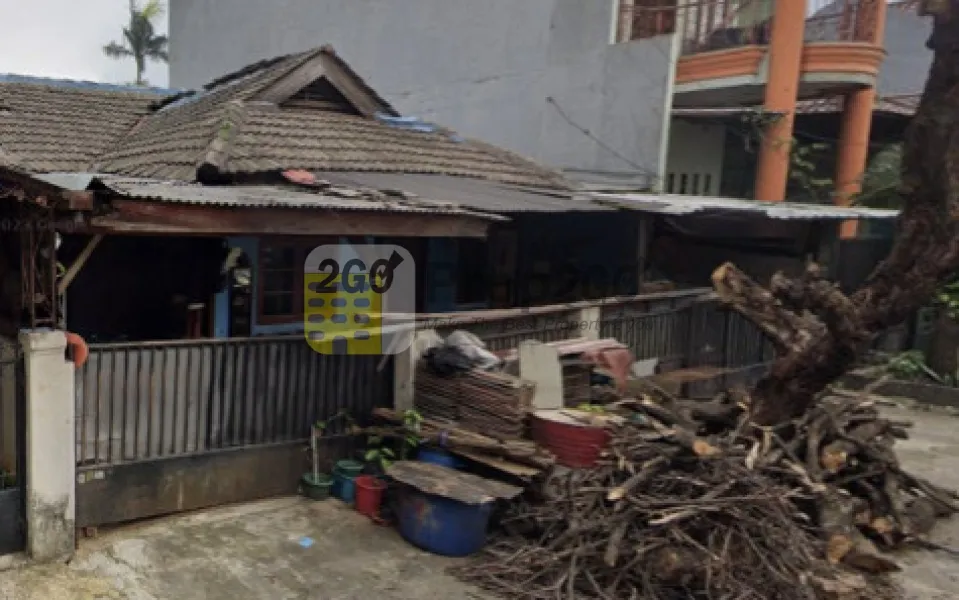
[[693, 501]]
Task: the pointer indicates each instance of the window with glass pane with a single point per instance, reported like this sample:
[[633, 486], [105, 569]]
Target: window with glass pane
[[280, 273]]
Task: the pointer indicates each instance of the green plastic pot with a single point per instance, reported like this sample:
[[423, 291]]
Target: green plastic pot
[[349, 468], [318, 489]]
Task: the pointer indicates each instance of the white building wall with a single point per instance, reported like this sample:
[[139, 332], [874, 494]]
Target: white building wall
[[694, 163]]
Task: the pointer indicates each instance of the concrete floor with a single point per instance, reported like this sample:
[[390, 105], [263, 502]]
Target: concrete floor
[[253, 551], [247, 552]]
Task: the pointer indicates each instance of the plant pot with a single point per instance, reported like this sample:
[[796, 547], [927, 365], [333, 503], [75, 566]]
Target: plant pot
[[349, 468], [318, 489], [344, 486], [369, 495]]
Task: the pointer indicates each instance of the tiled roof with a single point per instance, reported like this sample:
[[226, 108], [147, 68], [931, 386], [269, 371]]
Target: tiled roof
[[52, 125], [241, 124], [228, 130]]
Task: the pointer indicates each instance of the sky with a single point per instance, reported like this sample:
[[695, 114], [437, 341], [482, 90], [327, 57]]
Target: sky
[[65, 39]]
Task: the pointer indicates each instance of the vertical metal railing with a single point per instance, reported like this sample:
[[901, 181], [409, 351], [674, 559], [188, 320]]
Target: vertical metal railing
[[707, 25], [150, 400]]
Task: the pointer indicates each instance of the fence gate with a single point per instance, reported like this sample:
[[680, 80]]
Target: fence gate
[[165, 427], [12, 449]]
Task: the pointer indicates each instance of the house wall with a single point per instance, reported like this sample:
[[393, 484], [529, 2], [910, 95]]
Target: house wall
[[530, 76], [694, 163], [125, 291]]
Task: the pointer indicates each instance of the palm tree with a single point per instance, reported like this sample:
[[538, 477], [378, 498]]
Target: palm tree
[[139, 38]]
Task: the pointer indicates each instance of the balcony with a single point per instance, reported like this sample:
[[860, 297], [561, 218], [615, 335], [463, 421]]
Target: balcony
[[724, 46]]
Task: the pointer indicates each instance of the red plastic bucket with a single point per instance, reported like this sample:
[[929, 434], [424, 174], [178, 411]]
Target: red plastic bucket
[[576, 445], [369, 495]]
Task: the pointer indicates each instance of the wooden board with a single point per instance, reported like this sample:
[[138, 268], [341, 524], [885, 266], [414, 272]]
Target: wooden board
[[450, 483]]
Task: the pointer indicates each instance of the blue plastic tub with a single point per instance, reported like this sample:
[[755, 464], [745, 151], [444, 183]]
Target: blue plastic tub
[[344, 487], [439, 457], [440, 525]]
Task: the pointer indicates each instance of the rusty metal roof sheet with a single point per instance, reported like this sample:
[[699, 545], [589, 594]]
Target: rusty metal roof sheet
[[678, 205], [471, 193], [259, 196], [449, 483]]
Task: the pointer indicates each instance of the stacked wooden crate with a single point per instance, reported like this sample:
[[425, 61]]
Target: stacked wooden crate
[[495, 404]]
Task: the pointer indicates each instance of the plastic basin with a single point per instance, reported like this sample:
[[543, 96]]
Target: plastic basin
[[439, 457], [440, 525]]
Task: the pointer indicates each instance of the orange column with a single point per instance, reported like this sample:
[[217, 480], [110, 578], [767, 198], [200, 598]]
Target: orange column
[[782, 88], [853, 149]]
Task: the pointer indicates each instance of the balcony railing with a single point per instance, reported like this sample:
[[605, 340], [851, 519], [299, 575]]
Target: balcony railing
[[708, 25]]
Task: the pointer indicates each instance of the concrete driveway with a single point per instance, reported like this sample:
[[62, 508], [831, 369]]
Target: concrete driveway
[[258, 551], [248, 552]]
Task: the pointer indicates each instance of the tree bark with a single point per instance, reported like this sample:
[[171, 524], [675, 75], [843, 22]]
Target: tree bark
[[818, 331]]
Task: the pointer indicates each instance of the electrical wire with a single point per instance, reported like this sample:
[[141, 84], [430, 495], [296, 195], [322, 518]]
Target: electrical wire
[[563, 114]]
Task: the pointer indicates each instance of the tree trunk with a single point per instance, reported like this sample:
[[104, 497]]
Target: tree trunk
[[818, 331]]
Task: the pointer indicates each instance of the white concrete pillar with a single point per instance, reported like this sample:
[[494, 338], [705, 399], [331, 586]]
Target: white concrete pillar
[[404, 367], [589, 318], [51, 460]]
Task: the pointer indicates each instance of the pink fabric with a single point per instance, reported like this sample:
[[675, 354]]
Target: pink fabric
[[615, 360]]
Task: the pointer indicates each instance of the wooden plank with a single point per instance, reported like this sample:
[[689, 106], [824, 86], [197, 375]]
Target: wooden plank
[[347, 85], [81, 260], [135, 217], [293, 82]]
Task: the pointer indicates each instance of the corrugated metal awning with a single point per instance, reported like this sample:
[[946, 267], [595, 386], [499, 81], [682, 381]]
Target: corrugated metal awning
[[470, 193], [259, 196], [677, 205]]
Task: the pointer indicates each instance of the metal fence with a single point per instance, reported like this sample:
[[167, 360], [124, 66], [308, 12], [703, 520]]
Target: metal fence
[[150, 400], [508, 331]]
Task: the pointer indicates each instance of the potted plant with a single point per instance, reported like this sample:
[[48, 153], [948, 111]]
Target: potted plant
[[316, 485]]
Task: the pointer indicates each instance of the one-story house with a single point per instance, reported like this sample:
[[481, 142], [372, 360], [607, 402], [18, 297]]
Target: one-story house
[[263, 165]]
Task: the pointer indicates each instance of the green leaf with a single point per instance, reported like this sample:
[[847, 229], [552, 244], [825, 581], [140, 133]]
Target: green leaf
[[371, 455], [387, 452]]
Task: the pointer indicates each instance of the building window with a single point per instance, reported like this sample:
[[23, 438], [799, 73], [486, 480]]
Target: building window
[[279, 272], [650, 18], [279, 279]]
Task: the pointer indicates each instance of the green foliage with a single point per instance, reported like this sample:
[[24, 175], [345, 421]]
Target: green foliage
[[322, 426], [911, 365], [908, 365], [804, 162], [140, 40], [880, 185], [381, 453], [948, 298], [591, 408]]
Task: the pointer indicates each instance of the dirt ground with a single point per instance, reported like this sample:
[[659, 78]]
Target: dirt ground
[[290, 548]]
